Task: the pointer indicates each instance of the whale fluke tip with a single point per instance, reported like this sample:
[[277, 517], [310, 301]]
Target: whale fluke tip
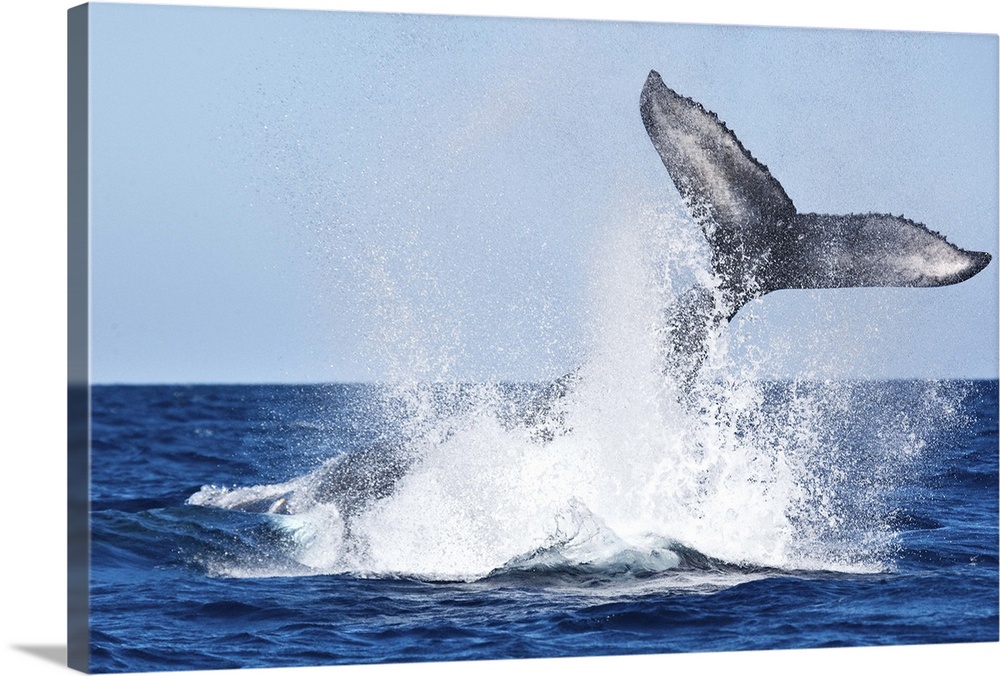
[[982, 259]]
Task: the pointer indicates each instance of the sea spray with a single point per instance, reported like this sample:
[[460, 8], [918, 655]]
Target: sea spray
[[622, 470]]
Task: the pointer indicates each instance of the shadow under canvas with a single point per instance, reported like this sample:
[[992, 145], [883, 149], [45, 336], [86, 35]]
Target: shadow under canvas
[[49, 653]]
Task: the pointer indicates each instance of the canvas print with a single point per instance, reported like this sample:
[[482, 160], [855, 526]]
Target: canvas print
[[402, 338]]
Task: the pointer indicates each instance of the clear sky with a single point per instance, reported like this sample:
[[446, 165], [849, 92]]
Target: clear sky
[[290, 196]]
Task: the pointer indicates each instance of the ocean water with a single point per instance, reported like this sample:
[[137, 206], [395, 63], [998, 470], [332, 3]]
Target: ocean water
[[648, 501], [259, 526]]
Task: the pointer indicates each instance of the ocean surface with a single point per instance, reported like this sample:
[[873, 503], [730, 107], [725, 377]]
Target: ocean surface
[[490, 522]]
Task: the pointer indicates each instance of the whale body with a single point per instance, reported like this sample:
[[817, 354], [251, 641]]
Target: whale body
[[759, 243]]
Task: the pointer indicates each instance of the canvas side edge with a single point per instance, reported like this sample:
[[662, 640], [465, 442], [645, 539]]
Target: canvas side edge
[[78, 340]]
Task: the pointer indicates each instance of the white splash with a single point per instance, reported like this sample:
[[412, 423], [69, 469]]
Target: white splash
[[637, 474]]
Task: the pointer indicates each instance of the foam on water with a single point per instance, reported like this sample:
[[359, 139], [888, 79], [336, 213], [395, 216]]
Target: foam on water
[[635, 472]]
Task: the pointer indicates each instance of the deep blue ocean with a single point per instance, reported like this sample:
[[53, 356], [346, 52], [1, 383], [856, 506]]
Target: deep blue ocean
[[802, 515]]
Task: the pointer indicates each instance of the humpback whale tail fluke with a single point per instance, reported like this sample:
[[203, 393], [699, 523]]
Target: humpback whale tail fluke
[[760, 242]]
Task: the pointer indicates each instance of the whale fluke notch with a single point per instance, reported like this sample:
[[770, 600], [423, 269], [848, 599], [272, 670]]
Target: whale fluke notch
[[759, 241]]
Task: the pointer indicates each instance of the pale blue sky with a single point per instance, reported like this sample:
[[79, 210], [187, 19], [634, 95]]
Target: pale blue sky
[[274, 191]]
